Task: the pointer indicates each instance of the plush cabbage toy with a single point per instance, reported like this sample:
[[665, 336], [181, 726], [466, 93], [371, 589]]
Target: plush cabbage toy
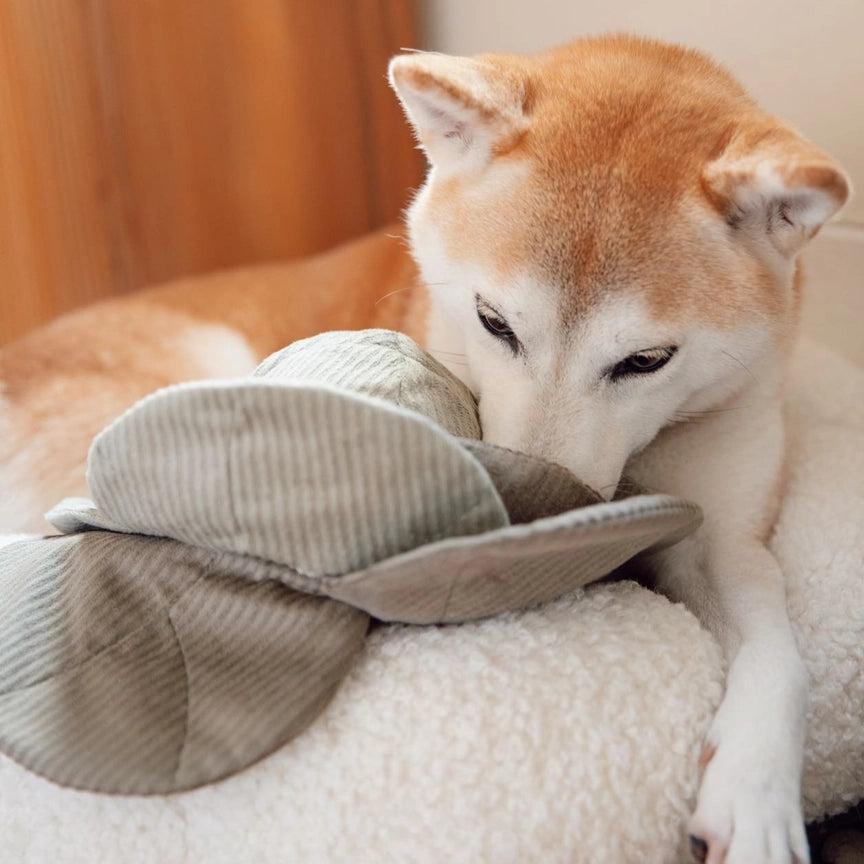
[[204, 607]]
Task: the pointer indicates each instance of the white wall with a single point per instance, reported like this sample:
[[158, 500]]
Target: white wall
[[803, 61]]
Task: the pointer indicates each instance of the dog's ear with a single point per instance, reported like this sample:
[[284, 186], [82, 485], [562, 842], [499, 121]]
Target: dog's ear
[[773, 185], [463, 110]]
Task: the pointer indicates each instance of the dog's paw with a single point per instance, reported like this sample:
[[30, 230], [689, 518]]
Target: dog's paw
[[747, 816]]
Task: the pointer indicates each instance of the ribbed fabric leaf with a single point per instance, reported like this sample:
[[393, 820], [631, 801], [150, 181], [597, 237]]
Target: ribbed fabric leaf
[[382, 364], [147, 668], [460, 579], [312, 477]]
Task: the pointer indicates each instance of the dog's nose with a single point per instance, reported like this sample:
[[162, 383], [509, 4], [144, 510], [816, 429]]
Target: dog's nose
[[605, 487], [599, 472]]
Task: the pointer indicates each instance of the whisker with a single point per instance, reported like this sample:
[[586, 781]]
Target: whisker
[[413, 287], [627, 486], [707, 414], [715, 410], [453, 357], [689, 418], [740, 363], [447, 353], [602, 489], [394, 291]]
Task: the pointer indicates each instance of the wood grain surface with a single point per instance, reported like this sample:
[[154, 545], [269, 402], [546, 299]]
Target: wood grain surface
[[145, 140]]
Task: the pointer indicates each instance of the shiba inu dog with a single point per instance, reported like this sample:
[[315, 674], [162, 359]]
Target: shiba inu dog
[[608, 237]]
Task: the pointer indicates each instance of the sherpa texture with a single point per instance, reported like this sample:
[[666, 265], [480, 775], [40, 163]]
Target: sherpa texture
[[569, 732]]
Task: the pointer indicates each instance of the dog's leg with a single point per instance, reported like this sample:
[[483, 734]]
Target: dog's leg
[[748, 809]]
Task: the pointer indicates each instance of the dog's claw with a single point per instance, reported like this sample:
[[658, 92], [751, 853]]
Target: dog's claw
[[698, 849]]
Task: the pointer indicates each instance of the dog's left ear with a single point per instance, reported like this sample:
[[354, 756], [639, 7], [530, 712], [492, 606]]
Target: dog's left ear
[[463, 109], [775, 186]]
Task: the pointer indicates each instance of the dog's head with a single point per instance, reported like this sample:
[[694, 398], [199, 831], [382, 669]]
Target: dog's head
[[609, 233]]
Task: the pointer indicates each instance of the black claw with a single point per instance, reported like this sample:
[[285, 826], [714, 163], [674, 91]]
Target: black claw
[[698, 848]]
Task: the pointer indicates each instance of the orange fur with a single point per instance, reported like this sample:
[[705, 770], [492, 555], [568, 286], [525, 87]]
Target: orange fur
[[61, 384], [620, 132]]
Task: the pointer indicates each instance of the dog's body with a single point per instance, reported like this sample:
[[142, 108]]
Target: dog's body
[[61, 384], [608, 235]]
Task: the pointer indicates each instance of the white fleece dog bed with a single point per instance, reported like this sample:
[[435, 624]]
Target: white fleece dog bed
[[570, 732]]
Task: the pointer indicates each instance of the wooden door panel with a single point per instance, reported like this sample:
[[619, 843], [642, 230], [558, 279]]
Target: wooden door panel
[[144, 140]]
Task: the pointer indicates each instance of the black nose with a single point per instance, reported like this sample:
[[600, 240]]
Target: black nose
[[698, 848]]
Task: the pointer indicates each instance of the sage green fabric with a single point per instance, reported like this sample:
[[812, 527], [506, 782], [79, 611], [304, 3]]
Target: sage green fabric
[[204, 607], [318, 479], [382, 364], [139, 665]]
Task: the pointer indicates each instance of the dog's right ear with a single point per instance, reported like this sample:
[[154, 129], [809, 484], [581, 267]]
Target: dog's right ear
[[773, 185], [463, 109]]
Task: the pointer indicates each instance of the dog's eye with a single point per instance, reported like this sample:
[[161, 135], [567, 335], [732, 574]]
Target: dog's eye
[[643, 362], [497, 326]]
